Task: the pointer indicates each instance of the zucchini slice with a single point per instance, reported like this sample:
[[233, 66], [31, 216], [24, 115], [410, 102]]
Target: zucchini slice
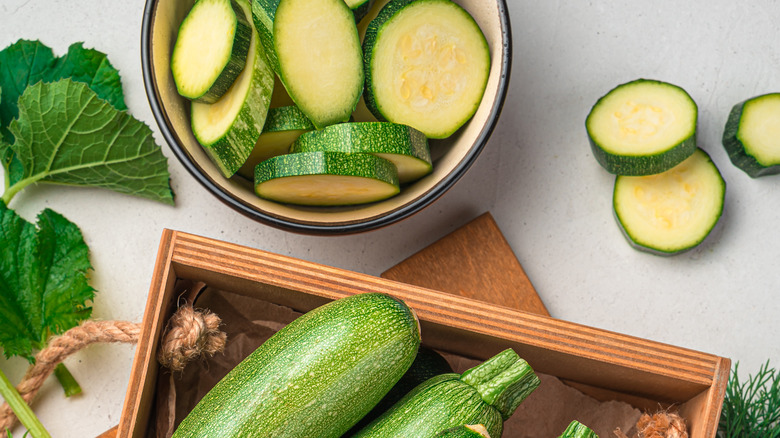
[[752, 135], [210, 50], [427, 64], [316, 53], [228, 128], [283, 126], [326, 179], [642, 127], [673, 211], [404, 146]]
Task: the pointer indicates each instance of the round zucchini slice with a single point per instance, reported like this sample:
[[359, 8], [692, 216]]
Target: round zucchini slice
[[282, 126], [210, 50], [427, 64], [752, 135], [642, 127], [673, 211], [228, 128], [326, 179], [404, 146]]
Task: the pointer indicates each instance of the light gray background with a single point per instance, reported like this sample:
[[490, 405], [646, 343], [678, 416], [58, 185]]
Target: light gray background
[[536, 175]]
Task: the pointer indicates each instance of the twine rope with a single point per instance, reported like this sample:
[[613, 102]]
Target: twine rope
[[190, 334]]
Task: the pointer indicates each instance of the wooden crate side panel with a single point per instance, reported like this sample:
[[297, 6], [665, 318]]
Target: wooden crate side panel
[[703, 411], [143, 377], [568, 350]]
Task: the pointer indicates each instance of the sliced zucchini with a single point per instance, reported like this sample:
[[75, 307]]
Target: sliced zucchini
[[282, 127], [427, 64], [326, 178], [404, 146], [229, 128], [752, 135], [210, 50], [316, 53], [642, 127], [673, 211]]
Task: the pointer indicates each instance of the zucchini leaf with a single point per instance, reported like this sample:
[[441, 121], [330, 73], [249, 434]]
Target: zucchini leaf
[[44, 287], [25, 63], [66, 134]]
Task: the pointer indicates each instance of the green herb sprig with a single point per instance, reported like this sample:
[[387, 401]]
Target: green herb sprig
[[751, 409]]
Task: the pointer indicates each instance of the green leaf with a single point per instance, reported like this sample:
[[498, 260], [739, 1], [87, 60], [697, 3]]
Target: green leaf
[[44, 287], [66, 134], [25, 63]]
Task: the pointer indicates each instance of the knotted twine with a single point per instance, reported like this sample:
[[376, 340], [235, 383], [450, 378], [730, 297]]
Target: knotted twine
[[190, 334]]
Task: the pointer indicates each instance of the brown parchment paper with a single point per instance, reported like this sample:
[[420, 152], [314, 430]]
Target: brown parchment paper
[[249, 322]]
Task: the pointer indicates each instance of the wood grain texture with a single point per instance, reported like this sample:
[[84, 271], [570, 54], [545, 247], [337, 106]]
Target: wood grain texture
[[474, 261], [618, 363]]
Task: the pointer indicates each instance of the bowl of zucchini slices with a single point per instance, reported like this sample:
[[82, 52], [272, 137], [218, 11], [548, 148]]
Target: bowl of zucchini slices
[[326, 116]]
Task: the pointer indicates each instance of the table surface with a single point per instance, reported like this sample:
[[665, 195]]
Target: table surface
[[537, 177]]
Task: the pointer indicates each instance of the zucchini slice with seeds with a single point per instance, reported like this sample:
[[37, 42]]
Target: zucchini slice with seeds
[[326, 179], [210, 50], [406, 147], [283, 126], [752, 135], [228, 128], [427, 64], [673, 211], [642, 127], [316, 53]]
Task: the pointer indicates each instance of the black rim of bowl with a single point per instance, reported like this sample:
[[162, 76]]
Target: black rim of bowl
[[338, 228]]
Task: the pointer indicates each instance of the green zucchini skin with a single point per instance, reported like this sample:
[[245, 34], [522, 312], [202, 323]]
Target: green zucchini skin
[[234, 65], [465, 431], [487, 394], [426, 365], [263, 14], [232, 149], [405, 146], [360, 8], [314, 378], [738, 153], [642, 164], [578, 430]]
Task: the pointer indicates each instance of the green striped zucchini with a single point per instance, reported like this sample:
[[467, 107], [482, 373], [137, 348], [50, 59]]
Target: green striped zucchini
[[465, 431], [404, 146], [282, 126], [210, 49], [578, 430], [752, 135], [314, 378], [228, 128], [314, 48], [426, 64], [326, 179], [642, 127], [487, 394]]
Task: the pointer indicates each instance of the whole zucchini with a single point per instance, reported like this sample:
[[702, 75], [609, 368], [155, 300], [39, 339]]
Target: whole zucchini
[[487, 394], [314, 378], [465, 431]]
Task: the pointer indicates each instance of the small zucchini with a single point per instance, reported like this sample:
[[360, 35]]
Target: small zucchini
[[314, 378], [642, 127], [487, 394], [465, 431], [578, 430], [752, 135]]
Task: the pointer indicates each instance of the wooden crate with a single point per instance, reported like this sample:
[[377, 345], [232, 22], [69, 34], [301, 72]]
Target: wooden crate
[[603, 364]]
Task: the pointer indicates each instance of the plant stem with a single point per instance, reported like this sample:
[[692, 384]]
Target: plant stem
[[66, 379], [21, 408]]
